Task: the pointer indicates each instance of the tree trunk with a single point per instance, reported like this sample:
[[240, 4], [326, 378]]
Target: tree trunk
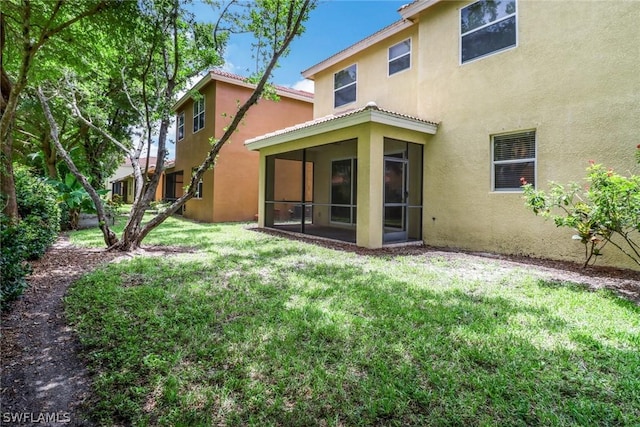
[[7, 183], [10, 207], [110, 237]]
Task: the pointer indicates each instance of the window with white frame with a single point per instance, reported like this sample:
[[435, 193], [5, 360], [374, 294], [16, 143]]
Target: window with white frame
[[513, 160], [400, 57], [344, 86], [198, 114], [343, 190], [198, 193], [180, 125], [486, 27]]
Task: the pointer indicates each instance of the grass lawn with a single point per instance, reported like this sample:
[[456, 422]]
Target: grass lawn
[[252, 329]]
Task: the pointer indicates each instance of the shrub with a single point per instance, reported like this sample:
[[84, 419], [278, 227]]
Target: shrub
[[28, 238], [608, 207], [38, 210], [13, 265]]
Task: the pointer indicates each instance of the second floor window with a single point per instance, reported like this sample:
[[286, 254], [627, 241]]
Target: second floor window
[[180, 126], [344, 86], [486, 27], [400, 57], [198, 114]]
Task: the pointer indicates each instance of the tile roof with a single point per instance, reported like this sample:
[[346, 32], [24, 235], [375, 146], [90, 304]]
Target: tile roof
[[217, 72], [371, 106]]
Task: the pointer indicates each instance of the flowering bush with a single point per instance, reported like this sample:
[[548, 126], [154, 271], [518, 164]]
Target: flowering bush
[[608, 206]]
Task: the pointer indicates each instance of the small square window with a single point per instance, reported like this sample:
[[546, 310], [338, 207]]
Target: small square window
[[400, 57], [513, 160]]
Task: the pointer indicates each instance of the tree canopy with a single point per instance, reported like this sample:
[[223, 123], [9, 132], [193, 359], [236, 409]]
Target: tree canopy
[[92, 82]]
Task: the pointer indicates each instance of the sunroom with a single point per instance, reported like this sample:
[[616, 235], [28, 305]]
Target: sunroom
[[355, 177]]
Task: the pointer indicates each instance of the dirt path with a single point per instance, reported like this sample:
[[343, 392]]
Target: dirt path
[[44, 382]]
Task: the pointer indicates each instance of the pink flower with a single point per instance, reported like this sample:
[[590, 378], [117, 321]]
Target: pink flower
[[591, 162], [523, 181]]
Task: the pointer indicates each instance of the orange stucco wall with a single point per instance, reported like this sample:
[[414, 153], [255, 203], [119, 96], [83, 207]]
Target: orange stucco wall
[[230, 190]]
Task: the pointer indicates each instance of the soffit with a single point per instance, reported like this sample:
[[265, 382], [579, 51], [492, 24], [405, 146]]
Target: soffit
[[370, 113]]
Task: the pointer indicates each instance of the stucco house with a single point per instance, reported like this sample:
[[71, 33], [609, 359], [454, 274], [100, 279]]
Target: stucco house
[[228, 192], [422, 131], [122, 182]]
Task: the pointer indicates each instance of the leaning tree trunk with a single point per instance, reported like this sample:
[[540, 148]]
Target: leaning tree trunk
[[110, 237], [134, 239]]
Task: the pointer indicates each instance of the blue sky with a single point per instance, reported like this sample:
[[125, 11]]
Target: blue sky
[[332, 26]]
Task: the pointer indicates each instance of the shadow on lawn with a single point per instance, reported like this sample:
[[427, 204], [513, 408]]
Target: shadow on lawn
[[290, 338]]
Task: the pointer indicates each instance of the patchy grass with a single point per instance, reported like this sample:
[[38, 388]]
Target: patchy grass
[[259, 330]]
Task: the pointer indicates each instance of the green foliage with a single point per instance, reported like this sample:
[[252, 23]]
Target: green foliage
[[38, 208], [606, 210], [13, 265], [73, 200], [29, 238]]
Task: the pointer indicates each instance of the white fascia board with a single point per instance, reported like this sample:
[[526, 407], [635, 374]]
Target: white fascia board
[[357, 47], [411, 10], [404, 123], [213, 76], [279, 92], [373, 116], [203, 81]]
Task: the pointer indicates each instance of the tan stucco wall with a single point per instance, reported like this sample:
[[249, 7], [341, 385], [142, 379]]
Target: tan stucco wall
[[367, 142], [573, 78], [373, 82], [191, 150], [230, 190]]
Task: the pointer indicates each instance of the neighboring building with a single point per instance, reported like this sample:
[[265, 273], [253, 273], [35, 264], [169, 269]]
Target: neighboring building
[[228, 192], [123, 182], [422, 131]]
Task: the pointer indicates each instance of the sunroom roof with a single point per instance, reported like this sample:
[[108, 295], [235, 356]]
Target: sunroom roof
[[369, 113]]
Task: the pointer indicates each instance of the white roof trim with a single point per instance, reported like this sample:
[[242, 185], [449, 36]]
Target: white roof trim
[[238, 81], [389, 31], [371, 113], [411, 10]]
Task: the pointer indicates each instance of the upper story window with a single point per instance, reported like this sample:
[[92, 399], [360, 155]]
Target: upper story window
[[514, 160], [198, 114], [486, 27], [344, 86], [400, 57], [180, 126]]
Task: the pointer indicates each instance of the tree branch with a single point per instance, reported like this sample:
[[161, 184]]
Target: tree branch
[[109, 236]]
